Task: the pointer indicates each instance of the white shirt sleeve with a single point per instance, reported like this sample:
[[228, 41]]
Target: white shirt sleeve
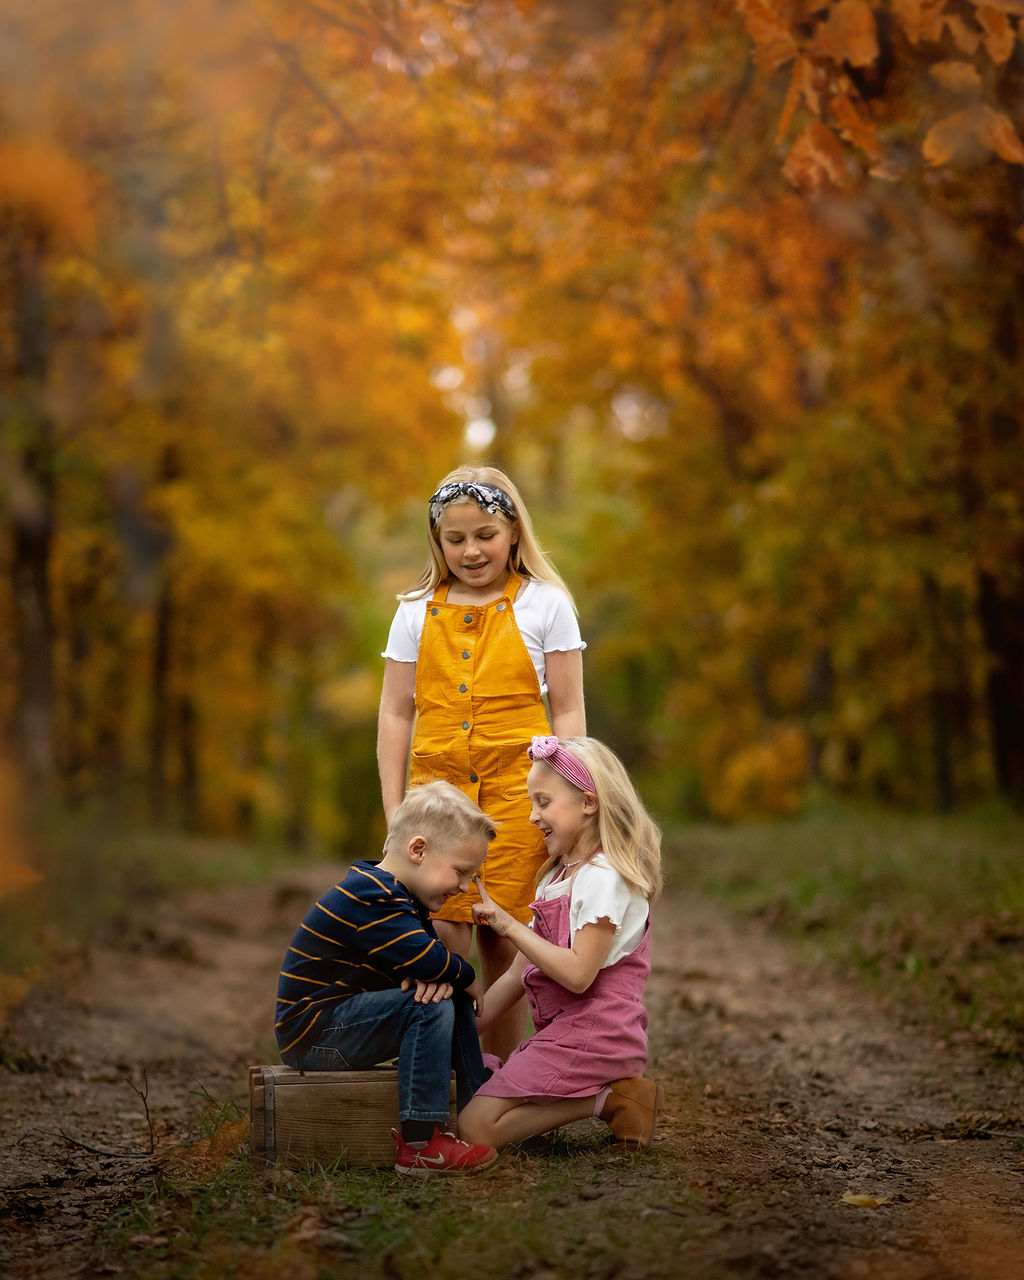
[[544, 616], [406, 628], [600, 893]]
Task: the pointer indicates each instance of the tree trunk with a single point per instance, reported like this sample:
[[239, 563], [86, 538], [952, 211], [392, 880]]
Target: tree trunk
[[188, 756], [163, 622], [32, 511], [1002, 621], [159, 725]]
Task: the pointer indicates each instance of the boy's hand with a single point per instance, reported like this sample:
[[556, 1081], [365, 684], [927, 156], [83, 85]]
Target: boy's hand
[[428, 992], [487, 911]]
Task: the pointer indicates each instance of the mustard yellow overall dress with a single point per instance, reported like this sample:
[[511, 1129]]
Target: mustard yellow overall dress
[[478, 704]]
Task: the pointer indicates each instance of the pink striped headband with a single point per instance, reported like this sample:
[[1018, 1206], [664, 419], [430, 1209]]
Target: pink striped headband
[[551, 751]]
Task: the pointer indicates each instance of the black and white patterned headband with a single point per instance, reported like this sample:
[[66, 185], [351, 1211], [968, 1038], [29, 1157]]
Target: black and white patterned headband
[[488, 497]]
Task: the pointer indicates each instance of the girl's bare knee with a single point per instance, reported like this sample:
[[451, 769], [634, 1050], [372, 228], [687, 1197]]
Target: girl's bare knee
[[473, 1129]]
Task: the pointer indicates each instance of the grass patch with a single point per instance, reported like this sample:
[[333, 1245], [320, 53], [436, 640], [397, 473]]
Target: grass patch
[[929, 909], [564, 1203]]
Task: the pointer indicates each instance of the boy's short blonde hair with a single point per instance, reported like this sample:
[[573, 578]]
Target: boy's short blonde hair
[[441, 813]]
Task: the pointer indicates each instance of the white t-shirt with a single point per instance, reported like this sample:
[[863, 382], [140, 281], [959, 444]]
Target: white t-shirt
[[599, 892], [544, 616]]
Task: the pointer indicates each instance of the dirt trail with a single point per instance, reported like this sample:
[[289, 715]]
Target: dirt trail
[[786, 1091]]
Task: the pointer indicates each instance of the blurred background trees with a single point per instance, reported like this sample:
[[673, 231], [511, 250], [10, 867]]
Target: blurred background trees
[[733, 289]]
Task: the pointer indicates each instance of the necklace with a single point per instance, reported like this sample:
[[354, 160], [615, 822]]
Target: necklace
[[567, 866]]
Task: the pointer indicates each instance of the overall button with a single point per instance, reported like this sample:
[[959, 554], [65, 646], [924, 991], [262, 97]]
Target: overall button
[[465, 724], [468, 618], [465, 653], [433, 613], [501, 608], [473, 778], [463, 688]]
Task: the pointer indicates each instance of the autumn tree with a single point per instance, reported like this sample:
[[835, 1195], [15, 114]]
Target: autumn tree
[[733, 289], [923, 100]]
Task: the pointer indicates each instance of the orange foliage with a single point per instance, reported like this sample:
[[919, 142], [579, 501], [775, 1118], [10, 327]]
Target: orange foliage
[[974, 126], [296, 249]]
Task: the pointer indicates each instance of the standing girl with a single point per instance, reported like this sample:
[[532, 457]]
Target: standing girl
[[584, 961], [485, 633]]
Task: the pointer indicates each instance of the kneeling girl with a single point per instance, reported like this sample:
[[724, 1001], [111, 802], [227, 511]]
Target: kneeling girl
[[583, 961]]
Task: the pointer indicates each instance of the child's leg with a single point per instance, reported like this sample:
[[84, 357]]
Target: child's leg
[[497, 1121], [466, 1059], [377, 1025], [457, 936], [496, 954]]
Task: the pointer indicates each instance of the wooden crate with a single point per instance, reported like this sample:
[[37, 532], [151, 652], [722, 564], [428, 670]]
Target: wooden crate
[[300, 1118]]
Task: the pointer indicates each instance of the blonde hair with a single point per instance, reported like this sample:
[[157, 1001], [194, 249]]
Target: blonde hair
[[625, 832], [526, 557], [441, 813]]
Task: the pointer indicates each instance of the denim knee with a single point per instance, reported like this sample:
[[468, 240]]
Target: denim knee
[[441, 1016]]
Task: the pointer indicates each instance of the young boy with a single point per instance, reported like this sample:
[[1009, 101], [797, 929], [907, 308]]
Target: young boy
[[366, 978]]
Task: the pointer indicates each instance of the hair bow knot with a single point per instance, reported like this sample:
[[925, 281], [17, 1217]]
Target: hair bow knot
[[571, 767]]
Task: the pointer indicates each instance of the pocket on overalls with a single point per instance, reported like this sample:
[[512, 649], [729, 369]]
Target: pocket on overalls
[[429, 767], [510, 765]]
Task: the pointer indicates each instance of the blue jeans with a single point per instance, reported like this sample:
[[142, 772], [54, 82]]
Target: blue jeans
[[429, 1040]]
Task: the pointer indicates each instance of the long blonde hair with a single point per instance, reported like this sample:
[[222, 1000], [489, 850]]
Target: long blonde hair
[[624, 831], [526, 557]]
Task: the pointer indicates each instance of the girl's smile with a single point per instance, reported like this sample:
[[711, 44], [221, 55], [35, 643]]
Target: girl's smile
[[561, 813]]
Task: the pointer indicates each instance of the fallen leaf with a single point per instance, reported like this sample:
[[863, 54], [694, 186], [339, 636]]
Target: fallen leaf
[[865, 1202]]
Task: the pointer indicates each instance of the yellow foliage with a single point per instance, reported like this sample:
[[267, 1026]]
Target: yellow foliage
[[763, 778], [352, 699]]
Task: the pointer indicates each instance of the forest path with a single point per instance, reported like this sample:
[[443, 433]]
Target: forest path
[[787, 1089]]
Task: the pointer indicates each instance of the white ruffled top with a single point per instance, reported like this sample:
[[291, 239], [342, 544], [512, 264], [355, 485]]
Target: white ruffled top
[[599, 892]]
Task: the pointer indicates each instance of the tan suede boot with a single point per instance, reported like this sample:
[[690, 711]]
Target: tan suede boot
[[631, 1110]]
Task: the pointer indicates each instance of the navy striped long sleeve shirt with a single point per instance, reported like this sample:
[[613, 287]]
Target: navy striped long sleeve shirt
[[367, 933]]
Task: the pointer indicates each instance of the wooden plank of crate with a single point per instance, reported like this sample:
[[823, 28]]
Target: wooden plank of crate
[[321, 1117]]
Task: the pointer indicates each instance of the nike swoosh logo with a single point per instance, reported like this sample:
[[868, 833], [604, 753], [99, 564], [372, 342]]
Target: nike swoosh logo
[[431, 1159]]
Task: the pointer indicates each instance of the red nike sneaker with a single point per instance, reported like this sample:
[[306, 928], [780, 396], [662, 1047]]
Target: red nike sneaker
[[444, 1153]]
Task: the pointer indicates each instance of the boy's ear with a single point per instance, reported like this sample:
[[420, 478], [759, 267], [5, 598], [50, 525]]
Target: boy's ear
[[417, 848]]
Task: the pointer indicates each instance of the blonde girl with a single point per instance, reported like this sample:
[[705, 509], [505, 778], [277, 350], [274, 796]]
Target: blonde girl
[[583, 962], [486, 633]]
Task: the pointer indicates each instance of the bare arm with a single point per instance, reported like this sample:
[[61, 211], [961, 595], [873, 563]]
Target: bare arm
[[502, 994], [574, 968], [394, 731], [564, 674]]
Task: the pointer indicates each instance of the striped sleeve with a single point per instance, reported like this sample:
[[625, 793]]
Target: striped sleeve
[[395, 936], [365, 934]]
